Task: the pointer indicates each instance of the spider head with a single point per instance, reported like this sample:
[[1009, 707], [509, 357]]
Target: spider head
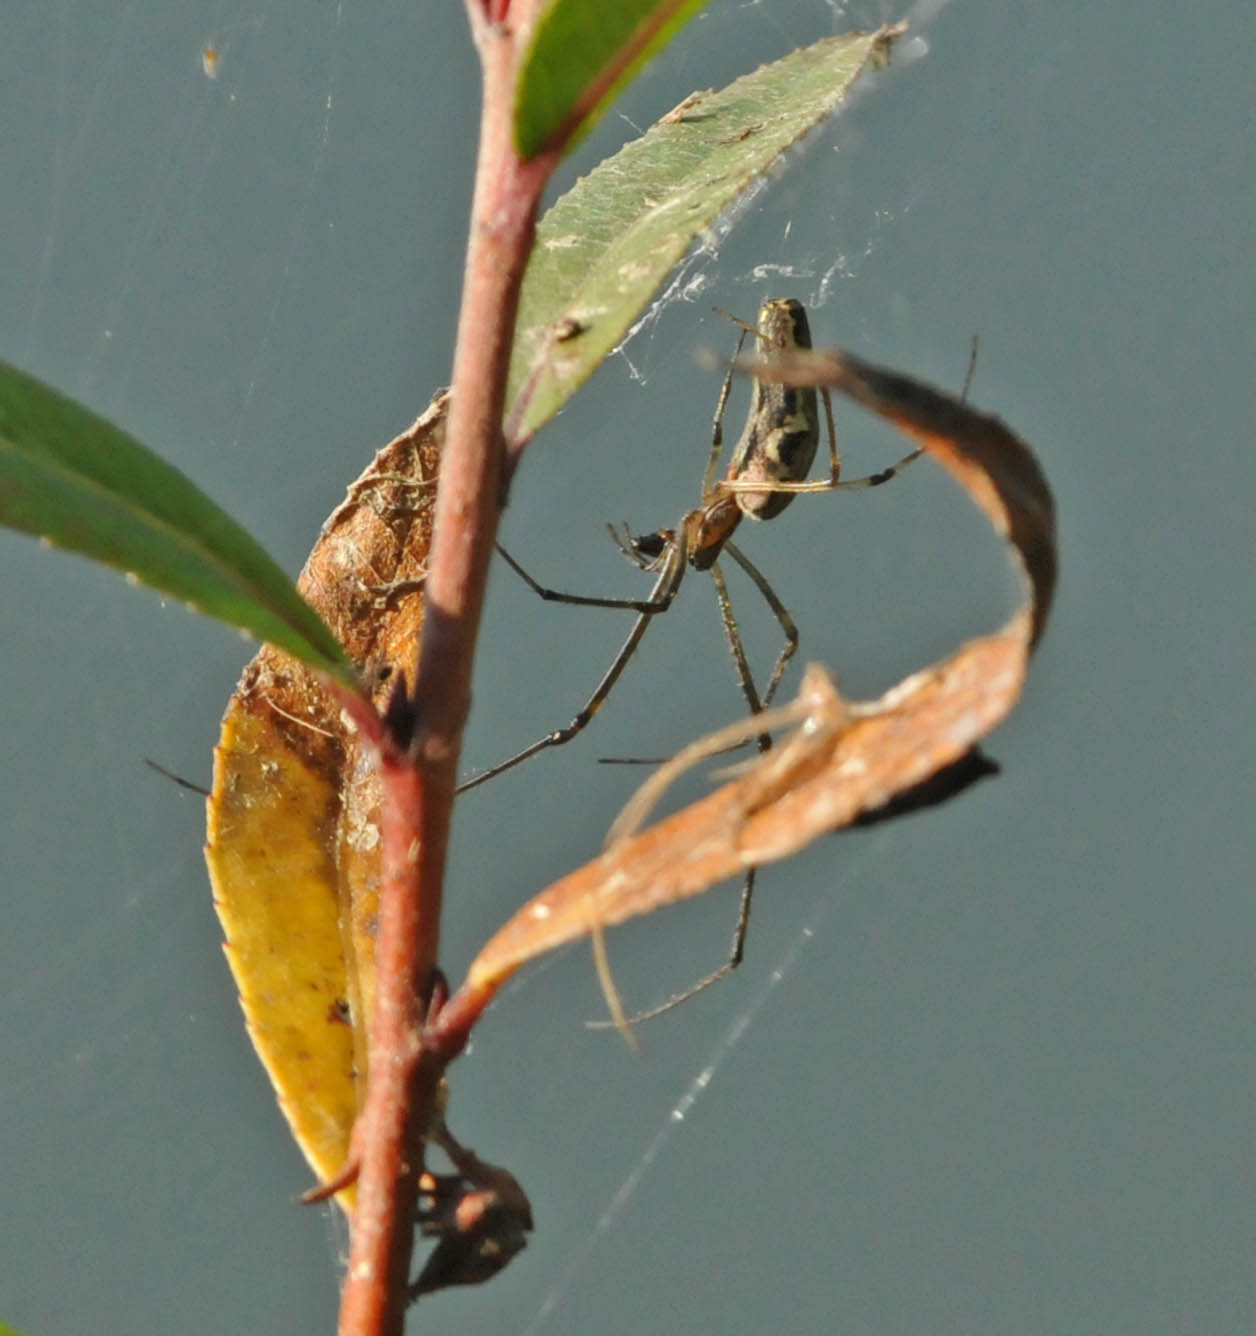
[[649, 547], [643, 549]]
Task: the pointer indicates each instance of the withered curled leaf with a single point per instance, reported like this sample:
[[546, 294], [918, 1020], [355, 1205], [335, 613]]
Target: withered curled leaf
[[843, 759]]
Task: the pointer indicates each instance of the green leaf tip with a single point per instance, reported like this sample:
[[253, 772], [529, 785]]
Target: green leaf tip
[[77, 482], [579, 58]]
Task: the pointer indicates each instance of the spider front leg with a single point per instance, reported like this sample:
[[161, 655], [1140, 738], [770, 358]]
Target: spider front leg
[[659, 600], [717, 421]]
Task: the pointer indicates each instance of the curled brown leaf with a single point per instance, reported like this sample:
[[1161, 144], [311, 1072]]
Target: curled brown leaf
[[841, 759]]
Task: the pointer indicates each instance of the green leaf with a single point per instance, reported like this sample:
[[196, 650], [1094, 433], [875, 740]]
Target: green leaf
[[606, 246], [580, 56], [76, 481]]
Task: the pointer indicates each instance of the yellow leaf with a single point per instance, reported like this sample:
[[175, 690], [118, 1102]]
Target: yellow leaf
[[293, 848]]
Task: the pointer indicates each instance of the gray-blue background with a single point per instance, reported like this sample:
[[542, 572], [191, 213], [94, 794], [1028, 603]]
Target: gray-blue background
[[1005, 1081]]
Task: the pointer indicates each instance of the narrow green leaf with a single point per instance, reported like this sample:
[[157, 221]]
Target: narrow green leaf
[[76, 481], [606, 246], [580, 56]]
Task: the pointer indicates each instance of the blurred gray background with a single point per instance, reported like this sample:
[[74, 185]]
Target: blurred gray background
[[986, 1070]]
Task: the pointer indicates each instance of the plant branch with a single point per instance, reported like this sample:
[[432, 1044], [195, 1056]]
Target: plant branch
[[419, 771]]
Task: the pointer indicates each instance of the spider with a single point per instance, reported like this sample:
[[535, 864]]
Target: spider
[[769, 466]]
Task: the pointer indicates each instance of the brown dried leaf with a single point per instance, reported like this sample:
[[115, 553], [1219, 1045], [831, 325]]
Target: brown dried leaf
[[842, 759], [293, 835]]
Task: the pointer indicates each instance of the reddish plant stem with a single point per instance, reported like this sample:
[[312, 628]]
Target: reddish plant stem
[[419, 784], [383, 1222]]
